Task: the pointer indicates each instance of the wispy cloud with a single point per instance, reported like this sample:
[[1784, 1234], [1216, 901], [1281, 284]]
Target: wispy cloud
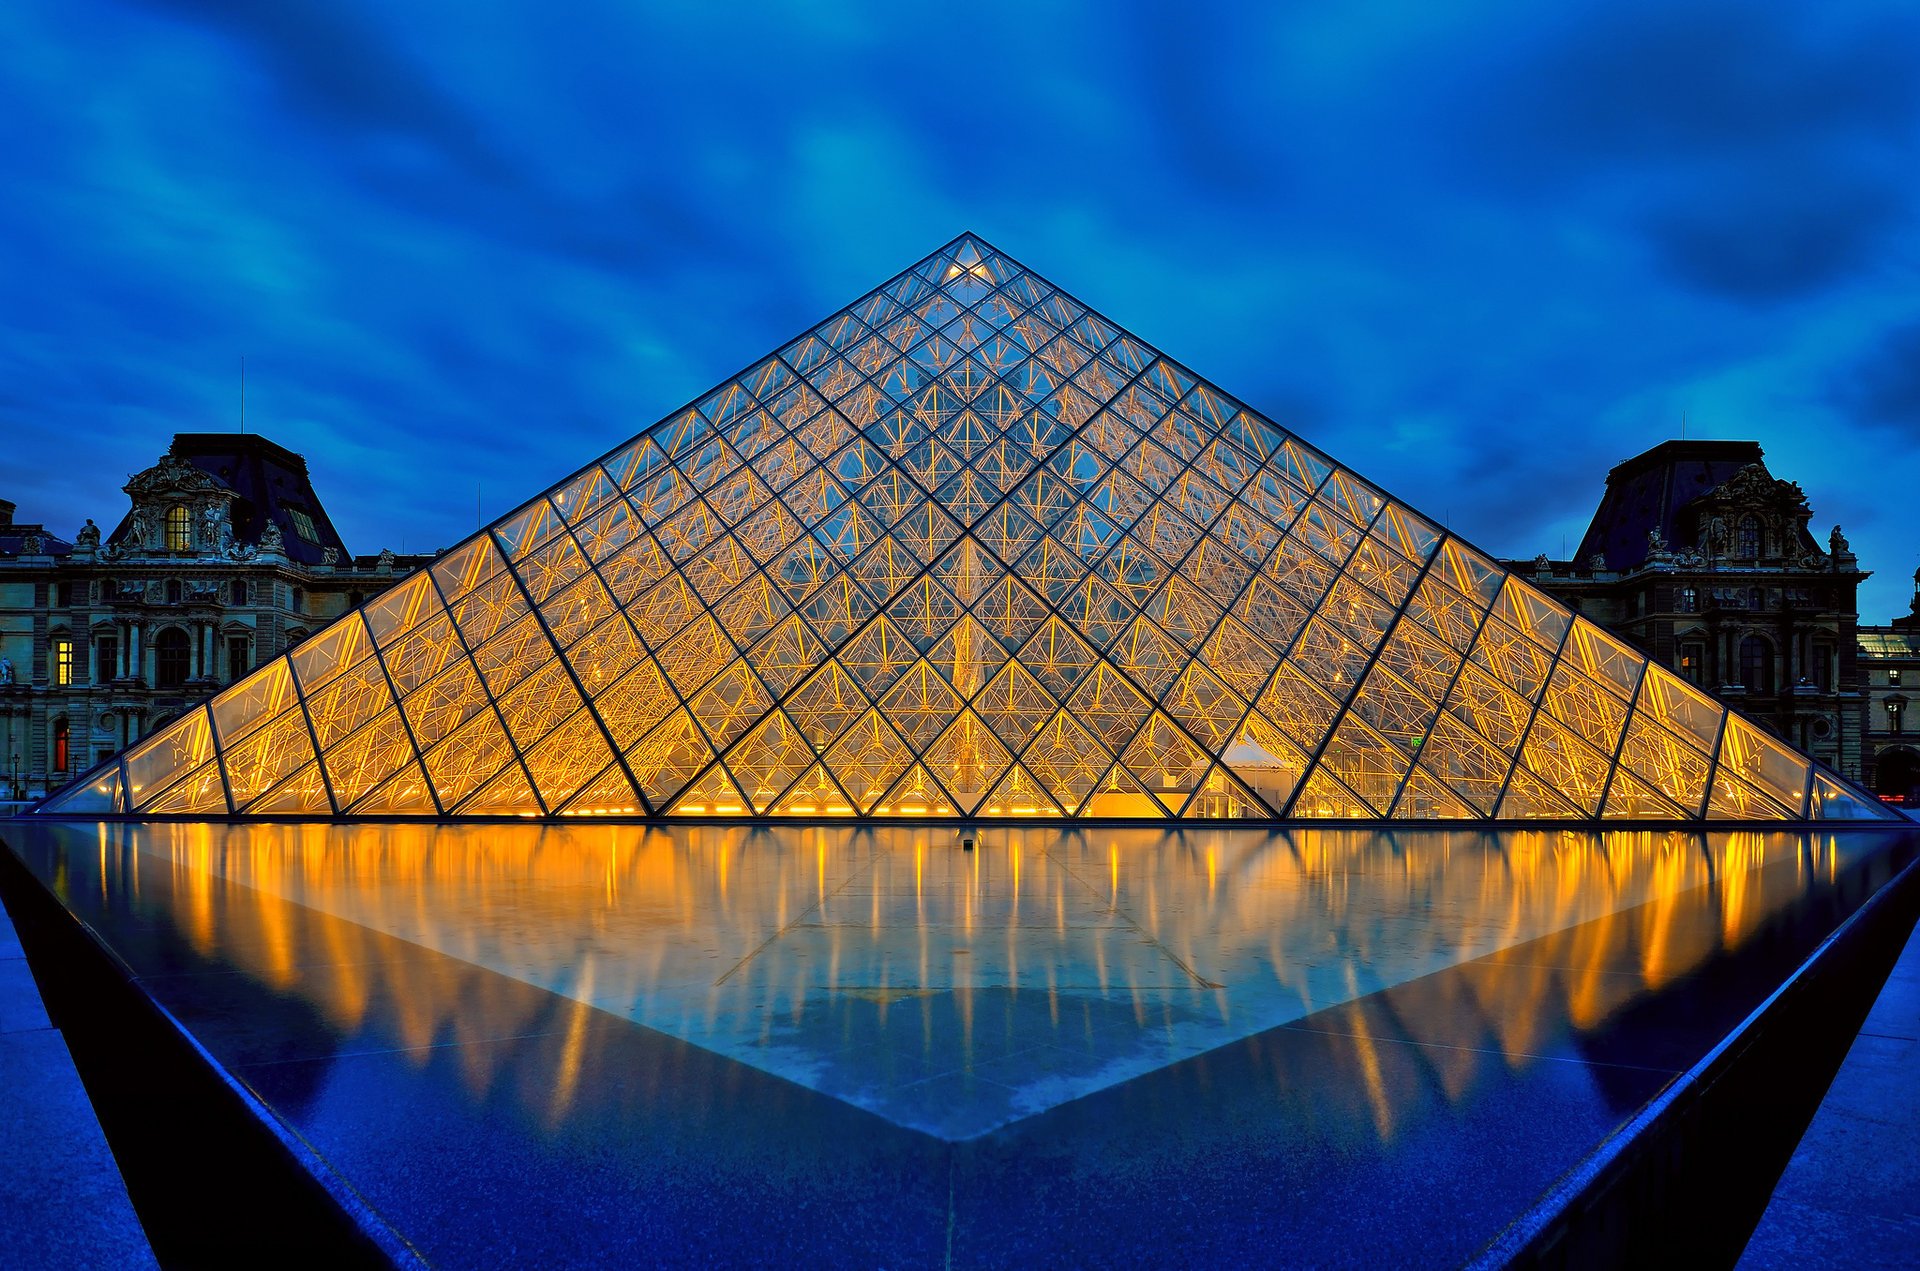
[[1479, 251]]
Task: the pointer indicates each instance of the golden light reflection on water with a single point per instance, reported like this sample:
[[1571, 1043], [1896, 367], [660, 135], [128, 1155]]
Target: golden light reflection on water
[[737, 938]]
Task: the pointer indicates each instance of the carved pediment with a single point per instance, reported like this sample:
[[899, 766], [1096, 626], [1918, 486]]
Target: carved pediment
[[172, 475], [1753, 487]]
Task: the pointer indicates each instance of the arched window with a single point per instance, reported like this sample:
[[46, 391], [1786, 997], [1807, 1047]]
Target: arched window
[[174, 591], [1756, 665], [172, 658], [237, 592], [1748, 545], [62, 745], [1756, 598], [179, 528]]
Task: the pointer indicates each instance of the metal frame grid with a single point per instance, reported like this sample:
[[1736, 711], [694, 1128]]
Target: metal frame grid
[[966, 549]]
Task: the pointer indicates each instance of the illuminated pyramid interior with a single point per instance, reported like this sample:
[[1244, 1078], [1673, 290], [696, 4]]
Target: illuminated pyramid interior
[[965, 549]]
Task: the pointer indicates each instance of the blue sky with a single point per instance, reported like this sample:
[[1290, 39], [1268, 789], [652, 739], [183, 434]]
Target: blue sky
[[1478, 251]]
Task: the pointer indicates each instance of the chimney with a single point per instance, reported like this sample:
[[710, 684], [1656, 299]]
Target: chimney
[[6, 512]]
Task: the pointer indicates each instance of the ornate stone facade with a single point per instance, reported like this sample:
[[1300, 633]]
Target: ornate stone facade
[[224, 558], [1705, 560], [1890, 674]]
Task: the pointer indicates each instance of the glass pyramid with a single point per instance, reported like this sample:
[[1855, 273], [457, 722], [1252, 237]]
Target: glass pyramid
[[965, 549]]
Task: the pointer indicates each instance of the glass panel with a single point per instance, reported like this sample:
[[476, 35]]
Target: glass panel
[[1528, 798], [470, 755], [867, 760], [1834, 802], [253, 701], [303, 792], [1574, 770], [1425, 799], [396, 611], [368, 757], [1323, 798], [200, 793], [332, 651], [967, 759], [406, 793], [267, 756], [610, 795], [1674, 703], [568, 759], [1670, 765], [1761, 761], [1732, 799], [1631, 799]]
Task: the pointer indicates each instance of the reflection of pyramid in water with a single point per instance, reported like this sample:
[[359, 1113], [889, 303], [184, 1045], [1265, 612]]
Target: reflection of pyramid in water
[[965, 549]]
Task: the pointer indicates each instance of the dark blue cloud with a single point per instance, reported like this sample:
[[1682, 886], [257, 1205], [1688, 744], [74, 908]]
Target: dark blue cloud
[[1883, 387], [1481, 252]]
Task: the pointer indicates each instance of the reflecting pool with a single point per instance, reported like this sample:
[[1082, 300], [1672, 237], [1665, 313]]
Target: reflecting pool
[[876, 1046]]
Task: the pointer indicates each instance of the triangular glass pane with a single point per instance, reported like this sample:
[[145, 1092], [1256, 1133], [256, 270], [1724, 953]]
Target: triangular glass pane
[[96, 793], [1367, 764], [1672, 766], [1529, 798], [1761, 761], [714, 794], [1119, 795], [266, 756], [815, 794], [769, 759], [302, 794], [1323, 798], [1165, 760], [1835, 802], [164, 757], [568, 758], [1067, 761], [506, 795], [867, 759], [915, 794], [967, 760], [1265, 761], [1631, 799], [1425, 799], [1221, 798], [200, 793], [367, 758], [1732, 799], [1019, 794], [406, 793], [667, 759], [611, 794], [1575, 771], [473, 753]]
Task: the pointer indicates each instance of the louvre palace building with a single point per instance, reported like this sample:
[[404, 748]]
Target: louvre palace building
[[224, 558]]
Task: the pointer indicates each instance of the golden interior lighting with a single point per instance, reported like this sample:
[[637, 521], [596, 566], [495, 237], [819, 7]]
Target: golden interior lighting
[[966, 549]]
